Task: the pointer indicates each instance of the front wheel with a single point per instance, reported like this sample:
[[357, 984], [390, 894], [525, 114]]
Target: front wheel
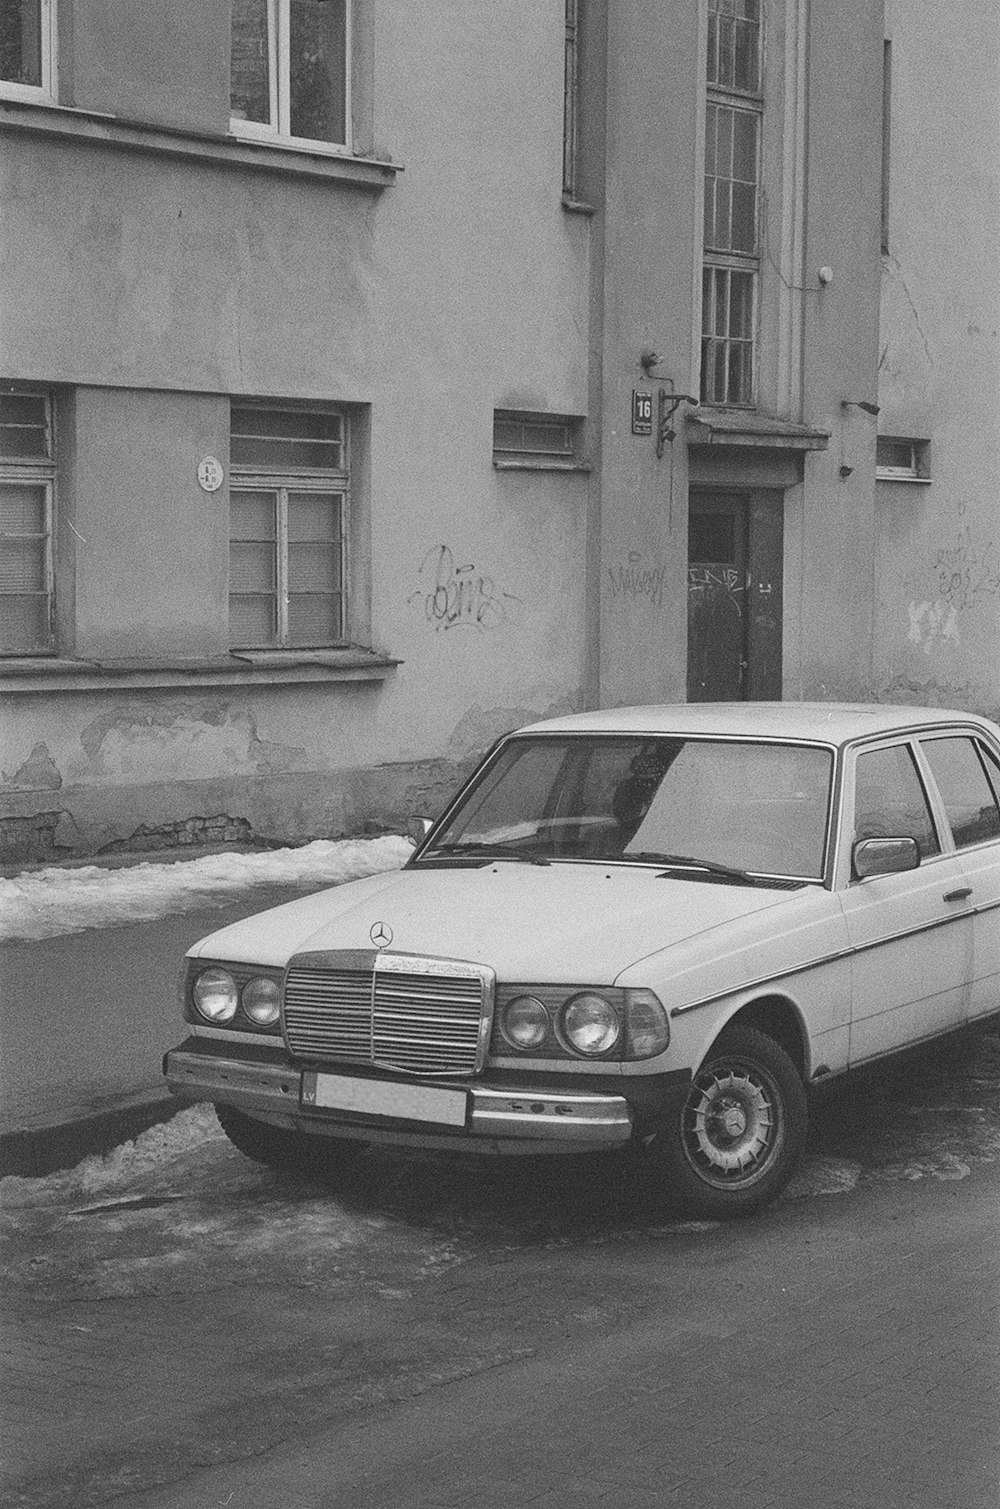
[[740, 1131]]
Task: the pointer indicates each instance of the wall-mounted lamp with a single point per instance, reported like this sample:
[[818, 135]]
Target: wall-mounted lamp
[[667, 406], [859, 403]]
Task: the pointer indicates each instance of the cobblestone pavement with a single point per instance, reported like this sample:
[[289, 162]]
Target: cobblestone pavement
[[183, 1329]]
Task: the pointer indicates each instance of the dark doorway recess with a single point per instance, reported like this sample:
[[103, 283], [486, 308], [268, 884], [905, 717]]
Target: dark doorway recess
[[735, 551]]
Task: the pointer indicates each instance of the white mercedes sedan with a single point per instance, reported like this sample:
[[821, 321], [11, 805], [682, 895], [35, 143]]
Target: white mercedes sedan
[[654, 925]]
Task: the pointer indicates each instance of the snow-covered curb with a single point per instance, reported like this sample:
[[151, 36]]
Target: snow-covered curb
[[47, 903]]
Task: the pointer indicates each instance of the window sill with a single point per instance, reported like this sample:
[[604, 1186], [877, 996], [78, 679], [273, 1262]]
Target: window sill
[[60, 123], [538, 464], [577, 206], [906, 479], [240, 668], [744, 427], [25, 94]]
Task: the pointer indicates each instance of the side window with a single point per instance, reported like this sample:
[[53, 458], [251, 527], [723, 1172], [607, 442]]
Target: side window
[[965, 791], [992, 768], [889, 800]]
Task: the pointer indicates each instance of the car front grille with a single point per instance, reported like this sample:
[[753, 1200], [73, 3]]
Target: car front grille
[[415, 1020]]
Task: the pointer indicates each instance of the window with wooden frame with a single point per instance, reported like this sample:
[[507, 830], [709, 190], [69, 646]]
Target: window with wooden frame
[[733, 119], [27, 485], [290, 69], [288, 500], [28, 50]]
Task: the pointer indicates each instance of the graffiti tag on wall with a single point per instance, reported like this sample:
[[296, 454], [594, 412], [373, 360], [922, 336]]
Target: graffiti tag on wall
[[967, 571], [637, 582], [454, 595]]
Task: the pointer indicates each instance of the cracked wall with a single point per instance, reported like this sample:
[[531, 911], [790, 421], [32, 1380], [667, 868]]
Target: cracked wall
[[153, 772]]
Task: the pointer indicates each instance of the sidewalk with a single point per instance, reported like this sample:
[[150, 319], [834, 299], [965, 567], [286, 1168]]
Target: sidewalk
[[85, 1019]]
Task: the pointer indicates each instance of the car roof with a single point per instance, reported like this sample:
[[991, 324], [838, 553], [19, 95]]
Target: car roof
[[826, 722]]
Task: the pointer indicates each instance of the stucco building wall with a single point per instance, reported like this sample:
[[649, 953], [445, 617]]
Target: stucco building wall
[[154, 269], [937, 561]]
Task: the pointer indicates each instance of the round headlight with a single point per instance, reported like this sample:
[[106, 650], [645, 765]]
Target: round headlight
[[262, 1001], [214, 994], [524, 1022], [590, 1024]]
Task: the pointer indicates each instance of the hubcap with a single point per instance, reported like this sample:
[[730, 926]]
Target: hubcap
[[730, 1125]]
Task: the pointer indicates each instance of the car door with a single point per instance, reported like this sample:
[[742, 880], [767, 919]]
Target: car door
[[966, 773], [910, 933]]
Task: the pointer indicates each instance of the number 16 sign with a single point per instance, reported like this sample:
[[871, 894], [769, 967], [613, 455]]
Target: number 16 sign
[[642, 413]]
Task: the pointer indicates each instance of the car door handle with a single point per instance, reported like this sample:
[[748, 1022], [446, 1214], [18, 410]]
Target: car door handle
[[962, 894]]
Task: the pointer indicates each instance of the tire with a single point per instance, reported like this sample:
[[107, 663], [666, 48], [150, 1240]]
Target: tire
[[740, 1132], [292, 1152]]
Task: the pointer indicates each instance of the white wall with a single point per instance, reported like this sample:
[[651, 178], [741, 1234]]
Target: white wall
[[938, 545]]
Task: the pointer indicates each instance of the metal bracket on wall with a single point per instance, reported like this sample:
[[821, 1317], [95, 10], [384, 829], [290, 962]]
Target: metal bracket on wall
[[668, 404]]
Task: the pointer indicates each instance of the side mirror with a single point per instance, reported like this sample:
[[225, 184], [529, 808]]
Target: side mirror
[[418, 828], [884, 856]]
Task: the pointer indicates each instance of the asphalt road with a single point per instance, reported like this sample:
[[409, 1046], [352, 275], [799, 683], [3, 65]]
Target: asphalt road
[[90, 1015], [183, 1329]]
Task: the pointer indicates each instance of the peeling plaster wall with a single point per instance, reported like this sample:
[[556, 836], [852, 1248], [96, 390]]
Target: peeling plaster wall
[[938, 544], [151, 769], [151, 289]]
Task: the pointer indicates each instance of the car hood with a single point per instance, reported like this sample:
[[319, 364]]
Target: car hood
[[586, 923]]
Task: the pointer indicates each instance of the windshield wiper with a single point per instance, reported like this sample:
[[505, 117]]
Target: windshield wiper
[[689, 861], [485, 851]]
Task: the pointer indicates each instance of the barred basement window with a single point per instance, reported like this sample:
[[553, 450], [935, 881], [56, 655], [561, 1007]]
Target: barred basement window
[[288, 503], [898, 460], [528, 440], [27, 480]]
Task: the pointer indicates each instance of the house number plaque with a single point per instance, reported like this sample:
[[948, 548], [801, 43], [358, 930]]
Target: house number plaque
[[642, 413], [210, 474]]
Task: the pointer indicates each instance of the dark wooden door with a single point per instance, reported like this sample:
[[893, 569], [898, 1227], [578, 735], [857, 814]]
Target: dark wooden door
[[734, 596]]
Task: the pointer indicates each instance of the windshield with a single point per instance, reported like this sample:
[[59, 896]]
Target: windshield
[[755, 807]]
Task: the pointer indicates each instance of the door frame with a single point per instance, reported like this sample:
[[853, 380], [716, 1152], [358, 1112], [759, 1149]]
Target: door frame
[[763, 524]]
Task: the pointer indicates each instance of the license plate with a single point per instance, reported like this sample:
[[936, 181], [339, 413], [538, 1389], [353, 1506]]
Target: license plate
[[340, 1092]]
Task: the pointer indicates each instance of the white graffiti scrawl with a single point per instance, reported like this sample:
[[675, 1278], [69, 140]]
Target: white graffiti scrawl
[[933, 626], [454, 595]]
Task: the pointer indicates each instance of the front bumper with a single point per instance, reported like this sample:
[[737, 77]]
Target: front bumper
[[499, 1119]]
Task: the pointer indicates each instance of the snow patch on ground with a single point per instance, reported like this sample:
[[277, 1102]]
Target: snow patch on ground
[[118, 1171], [945, 1166], [48, 903], [824, 1176], [179, 1210]]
